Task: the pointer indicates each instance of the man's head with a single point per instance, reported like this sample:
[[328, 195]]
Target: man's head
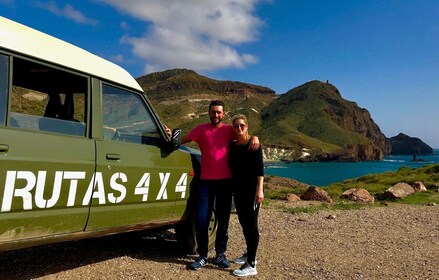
[[216, 112]]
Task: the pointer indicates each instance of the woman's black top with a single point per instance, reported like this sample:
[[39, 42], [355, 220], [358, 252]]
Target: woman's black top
[[246, 165]]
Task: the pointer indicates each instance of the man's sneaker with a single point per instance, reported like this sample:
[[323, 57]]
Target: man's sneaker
[[245, 270], [198, 263], [222, 261], [242, 260]]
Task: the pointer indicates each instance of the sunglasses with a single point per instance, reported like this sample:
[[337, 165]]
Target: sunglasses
[[242, 126]]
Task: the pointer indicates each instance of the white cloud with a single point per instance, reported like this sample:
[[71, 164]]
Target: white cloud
[[118, 58], [195, 34], [68, 11]]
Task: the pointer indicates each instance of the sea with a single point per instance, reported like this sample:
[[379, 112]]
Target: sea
[[325, 173]]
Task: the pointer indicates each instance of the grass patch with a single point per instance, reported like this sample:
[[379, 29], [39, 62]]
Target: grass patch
[[377, 184], [421, 198]]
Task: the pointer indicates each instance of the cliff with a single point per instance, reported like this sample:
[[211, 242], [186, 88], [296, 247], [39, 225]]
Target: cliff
[[315, 116], [405, 145]]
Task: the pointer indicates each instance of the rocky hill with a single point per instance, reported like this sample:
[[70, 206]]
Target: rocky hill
[[178, 84], [311, 122], [314, 116], [182, 97], [405, 145]]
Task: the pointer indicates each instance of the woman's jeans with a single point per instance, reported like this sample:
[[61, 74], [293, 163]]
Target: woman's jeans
[[213, 194]]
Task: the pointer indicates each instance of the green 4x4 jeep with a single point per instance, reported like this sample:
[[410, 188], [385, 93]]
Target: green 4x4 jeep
[[82, 151]]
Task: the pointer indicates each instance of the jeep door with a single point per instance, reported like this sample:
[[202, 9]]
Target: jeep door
[[46, 159], [138, 181]]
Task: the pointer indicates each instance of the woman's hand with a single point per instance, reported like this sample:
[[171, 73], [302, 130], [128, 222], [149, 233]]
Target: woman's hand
[[259, 196]]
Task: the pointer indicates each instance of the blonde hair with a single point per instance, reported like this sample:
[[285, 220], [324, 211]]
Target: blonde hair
[[244, 118], [239, 117]]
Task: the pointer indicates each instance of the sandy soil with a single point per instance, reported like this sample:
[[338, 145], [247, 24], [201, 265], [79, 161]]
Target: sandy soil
[[389, 242]]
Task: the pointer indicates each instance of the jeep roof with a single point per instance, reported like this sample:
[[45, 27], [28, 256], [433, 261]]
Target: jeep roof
[[26, 40]]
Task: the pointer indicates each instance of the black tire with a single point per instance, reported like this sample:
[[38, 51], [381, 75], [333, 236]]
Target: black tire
[[185, 234]]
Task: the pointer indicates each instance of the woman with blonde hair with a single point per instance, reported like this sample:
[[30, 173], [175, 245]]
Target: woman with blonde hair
[[248, 177]]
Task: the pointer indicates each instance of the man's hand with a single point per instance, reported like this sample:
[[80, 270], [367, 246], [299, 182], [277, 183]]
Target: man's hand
[[168, 131], [254, 143]]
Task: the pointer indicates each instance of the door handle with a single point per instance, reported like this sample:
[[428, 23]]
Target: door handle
[[4, 148], [113, 156]]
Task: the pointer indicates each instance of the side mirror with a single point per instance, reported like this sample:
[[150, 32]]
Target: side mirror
[[176, 138]]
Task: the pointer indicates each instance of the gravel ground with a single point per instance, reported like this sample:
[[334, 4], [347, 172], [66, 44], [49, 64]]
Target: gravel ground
[[389, 242]]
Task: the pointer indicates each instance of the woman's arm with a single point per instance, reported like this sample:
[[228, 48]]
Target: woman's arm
[[260, 191]]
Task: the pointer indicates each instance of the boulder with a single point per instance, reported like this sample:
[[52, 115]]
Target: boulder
[[419, 187], [358, 195], [316, 193], [399, 190], [291, 197]]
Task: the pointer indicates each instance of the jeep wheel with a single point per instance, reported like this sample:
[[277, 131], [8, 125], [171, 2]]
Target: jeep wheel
[[185, 234]]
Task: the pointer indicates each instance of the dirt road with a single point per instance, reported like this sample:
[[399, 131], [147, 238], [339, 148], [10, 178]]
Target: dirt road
[[393, 242]]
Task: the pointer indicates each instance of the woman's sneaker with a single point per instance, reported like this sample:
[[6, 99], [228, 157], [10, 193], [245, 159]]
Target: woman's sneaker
[[242, 260], [245, 270]]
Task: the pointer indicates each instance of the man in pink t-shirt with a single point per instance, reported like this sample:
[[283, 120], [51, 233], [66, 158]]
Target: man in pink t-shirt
[[214, 140]]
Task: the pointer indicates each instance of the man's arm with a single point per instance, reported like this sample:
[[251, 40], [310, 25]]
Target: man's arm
[[185, 139]]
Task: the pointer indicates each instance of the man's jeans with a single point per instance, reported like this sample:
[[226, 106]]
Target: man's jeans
[[213, 194]]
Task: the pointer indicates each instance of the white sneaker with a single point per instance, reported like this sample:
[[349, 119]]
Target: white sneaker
[[245, 270], [242, 260]]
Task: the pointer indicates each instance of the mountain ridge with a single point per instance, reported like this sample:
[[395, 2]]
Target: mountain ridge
[[311, 122]]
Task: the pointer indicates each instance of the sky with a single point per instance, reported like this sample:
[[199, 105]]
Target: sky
[[383, 55]]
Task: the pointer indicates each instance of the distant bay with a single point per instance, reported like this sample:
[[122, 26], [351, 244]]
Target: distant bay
[[325, 173]]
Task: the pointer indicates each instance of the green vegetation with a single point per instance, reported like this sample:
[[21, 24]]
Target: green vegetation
[[375, 184], [315, 114]]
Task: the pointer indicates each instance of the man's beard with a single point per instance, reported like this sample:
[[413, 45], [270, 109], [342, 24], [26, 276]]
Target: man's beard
[[215, 120]]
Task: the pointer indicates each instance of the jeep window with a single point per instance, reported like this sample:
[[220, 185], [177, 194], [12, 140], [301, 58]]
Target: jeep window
[[48, 99], [3, 88], [126, 117]]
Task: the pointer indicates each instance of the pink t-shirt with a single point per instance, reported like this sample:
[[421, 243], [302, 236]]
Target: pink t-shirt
[[214, 143]]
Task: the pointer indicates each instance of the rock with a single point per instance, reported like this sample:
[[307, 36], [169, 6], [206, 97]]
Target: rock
[[399, 190], [290, 197], [419, 187], [431, 204], [330, 217], [316, 193], [358, 195]]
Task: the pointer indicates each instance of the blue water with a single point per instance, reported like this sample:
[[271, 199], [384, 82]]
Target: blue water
[[325, 173]]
